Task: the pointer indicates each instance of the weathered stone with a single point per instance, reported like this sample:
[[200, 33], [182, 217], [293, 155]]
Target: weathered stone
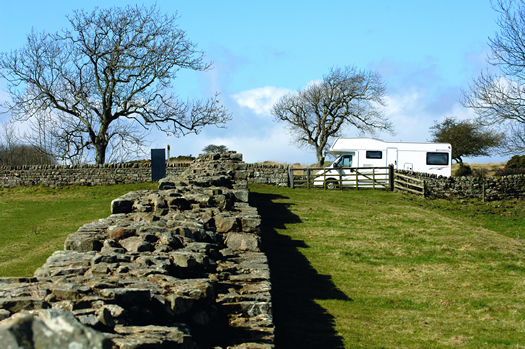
[[126, 295], [69, 291], [82, 242], [243, 242], [152, 337], [183, 259], [50, 329], [136, 244], [249, 308], [102, 269], [142, 206], [168, 238], [178, 204], [242, 195], [121, 206], [4, 314], [224, 224], [64, 305], [119, 233], [17, 304], [251, 223], [252, 346], [104, 317], [180, 304], [159, 263]]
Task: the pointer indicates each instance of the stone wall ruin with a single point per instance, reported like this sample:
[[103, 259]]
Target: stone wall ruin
[[177, 267]]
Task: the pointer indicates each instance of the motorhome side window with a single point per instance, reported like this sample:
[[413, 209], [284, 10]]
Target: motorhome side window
[[374, 154], [437, 158]]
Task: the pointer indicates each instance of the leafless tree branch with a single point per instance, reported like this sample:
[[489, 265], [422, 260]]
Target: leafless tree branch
[[112, 64], [318, 112]]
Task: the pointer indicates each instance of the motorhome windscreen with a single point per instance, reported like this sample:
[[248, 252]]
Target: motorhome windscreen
[[437, 158], [374, 154], [343, 161]]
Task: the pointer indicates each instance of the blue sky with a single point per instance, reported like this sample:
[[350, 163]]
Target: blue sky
[[427, 51]]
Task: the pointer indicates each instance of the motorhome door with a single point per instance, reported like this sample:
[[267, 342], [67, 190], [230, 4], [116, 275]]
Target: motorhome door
[[344, 161], [391, 157]]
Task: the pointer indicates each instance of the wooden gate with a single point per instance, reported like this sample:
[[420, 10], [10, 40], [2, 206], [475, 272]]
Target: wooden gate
[[409, 184], [378, 178]]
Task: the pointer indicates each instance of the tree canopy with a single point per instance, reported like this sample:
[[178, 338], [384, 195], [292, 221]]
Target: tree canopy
[[108, 77], [345, 97], [467, 138], [212, 148], [499, 98]]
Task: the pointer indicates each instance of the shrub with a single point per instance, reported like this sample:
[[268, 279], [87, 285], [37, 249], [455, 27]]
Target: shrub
[[517, 161], [480, 172], [463, 170], [509, 171], [182, 158]]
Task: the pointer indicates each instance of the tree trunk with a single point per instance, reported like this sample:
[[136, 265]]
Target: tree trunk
[[100, 148], [320, 157]]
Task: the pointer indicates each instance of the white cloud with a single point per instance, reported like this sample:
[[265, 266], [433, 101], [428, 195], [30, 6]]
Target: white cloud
[[260, 100], [273, 145]]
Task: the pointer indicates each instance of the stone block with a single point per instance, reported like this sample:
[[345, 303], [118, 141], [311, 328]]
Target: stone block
[[121, 206], [126, 295], [225, 224], [243, 242], [51, 329], [136, 244]]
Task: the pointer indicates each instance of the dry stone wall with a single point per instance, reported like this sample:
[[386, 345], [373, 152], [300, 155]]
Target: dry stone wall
[[177, 267], [109, 174], [89, 175], [489, 189]]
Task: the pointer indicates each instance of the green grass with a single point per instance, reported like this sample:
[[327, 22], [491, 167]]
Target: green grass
[[349, 269], [35, 221], [386, 270]]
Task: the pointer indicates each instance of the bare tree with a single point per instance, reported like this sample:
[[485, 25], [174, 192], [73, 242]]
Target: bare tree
[[345, 97], [8, 142], [14, 153], [499, 99], [113, 64], [53, 135]]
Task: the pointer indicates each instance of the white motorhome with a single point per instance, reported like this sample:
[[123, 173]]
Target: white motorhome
[[433, 158]]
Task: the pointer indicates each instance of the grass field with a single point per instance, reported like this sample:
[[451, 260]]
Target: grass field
[[349, 269], [35, 221], [385, 270]]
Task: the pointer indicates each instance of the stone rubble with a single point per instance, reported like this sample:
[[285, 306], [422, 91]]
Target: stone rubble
[[177, 267]]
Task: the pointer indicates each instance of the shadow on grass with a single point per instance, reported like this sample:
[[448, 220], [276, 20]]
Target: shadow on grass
[[300, 322]]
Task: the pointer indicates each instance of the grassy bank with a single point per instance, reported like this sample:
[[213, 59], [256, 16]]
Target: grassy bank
[[384, 270], [35, 221]]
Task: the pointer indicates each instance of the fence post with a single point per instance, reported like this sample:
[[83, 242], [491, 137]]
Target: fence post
[[307, 178], [290, 176], [391, 176]]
